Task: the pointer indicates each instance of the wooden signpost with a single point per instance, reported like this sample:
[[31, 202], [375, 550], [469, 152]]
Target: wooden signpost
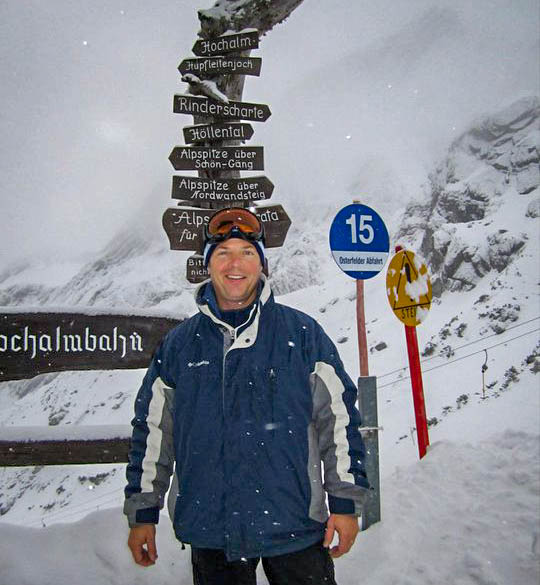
[[222, 158], [195, 270], [184, 226], [229, 43], [231, 110], [217, 132], [210, 66], [213, 147], [219, 192]]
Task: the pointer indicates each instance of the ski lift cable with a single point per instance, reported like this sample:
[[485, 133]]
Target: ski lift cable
[[457, 348], [461, 358], [89, 504]]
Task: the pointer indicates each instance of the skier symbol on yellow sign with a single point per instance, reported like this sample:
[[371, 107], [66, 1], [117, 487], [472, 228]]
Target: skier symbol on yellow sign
[[408, 288]]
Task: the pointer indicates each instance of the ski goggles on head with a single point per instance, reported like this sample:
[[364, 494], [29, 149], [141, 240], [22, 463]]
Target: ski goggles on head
[[233, 221]]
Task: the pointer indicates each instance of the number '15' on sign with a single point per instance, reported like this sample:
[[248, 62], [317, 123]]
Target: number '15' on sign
[[365, 232]]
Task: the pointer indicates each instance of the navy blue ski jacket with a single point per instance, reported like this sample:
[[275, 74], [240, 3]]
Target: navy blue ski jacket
[[244, 417]]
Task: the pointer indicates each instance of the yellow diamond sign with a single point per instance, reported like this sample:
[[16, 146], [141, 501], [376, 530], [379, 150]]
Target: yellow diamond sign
[[408, 288]]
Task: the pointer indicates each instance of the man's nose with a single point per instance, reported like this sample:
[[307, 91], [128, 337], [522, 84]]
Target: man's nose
[[235, 259]]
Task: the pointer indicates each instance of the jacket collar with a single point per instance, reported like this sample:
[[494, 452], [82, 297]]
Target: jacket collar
[[246, 334]]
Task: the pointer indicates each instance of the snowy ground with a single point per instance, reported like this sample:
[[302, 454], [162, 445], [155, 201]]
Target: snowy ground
[[466, 514]]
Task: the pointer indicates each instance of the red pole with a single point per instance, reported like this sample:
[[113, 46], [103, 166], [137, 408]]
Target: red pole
[[417, 390], [361, 328]]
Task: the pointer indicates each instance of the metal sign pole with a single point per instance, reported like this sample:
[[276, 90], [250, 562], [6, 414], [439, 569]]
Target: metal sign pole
[[417, 390], [367, 402]]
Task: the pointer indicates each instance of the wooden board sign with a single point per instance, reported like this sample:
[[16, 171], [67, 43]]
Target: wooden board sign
[[217, 132], [37, 343], [184, 226], [219, 191], [195, 270], [217, 158], [227, 44], [207, 107], [213, 66]]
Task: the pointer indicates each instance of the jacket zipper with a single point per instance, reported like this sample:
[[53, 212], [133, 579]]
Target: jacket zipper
[[272, 376], [229, 338]]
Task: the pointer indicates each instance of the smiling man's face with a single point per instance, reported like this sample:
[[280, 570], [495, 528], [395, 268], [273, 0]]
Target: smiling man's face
[[235, 269]]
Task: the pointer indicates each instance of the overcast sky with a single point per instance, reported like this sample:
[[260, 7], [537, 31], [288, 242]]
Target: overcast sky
[[365, 96]]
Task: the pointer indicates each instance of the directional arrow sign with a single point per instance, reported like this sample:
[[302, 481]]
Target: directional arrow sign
[[210, 66], [209, 132], [276, 224], [203, 106], [229, 191], [195, 270], [227, 44], [224, 158], [183, 226]]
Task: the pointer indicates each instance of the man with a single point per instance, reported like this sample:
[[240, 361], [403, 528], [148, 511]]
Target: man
[[246, 398]]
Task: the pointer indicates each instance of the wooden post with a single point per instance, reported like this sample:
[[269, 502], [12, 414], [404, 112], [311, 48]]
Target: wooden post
[[361, 324], [361, 328]]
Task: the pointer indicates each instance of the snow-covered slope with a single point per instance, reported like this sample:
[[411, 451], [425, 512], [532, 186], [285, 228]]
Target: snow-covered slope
[[482, 206], [479, 474], [467, 514]]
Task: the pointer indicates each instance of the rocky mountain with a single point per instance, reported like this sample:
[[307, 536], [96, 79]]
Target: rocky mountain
[[492, 169]]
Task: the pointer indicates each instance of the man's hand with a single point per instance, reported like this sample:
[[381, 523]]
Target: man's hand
[[142, 543], [347, 529]]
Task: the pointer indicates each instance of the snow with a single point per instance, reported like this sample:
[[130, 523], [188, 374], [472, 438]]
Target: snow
[[64, 432], [90, 311], [466, 514], [367, 121], [46, 274]]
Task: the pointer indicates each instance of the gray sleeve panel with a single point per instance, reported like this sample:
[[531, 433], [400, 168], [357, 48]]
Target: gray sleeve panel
[[331, 419], [317, 506], [173, 496], [158, 461]]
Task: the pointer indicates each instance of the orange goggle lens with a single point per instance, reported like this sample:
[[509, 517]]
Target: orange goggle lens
[[222, 222]]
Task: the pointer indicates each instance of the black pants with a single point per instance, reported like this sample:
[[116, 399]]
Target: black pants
[[311, 566]]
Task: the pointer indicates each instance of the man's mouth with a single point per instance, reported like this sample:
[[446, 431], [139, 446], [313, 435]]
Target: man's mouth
[[234, 277]]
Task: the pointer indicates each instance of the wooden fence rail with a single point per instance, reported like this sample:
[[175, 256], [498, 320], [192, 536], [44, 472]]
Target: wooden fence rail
[[67, 452], [64, 445]]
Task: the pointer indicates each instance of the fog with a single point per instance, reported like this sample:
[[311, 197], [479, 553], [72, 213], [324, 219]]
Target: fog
[[86, 120]]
